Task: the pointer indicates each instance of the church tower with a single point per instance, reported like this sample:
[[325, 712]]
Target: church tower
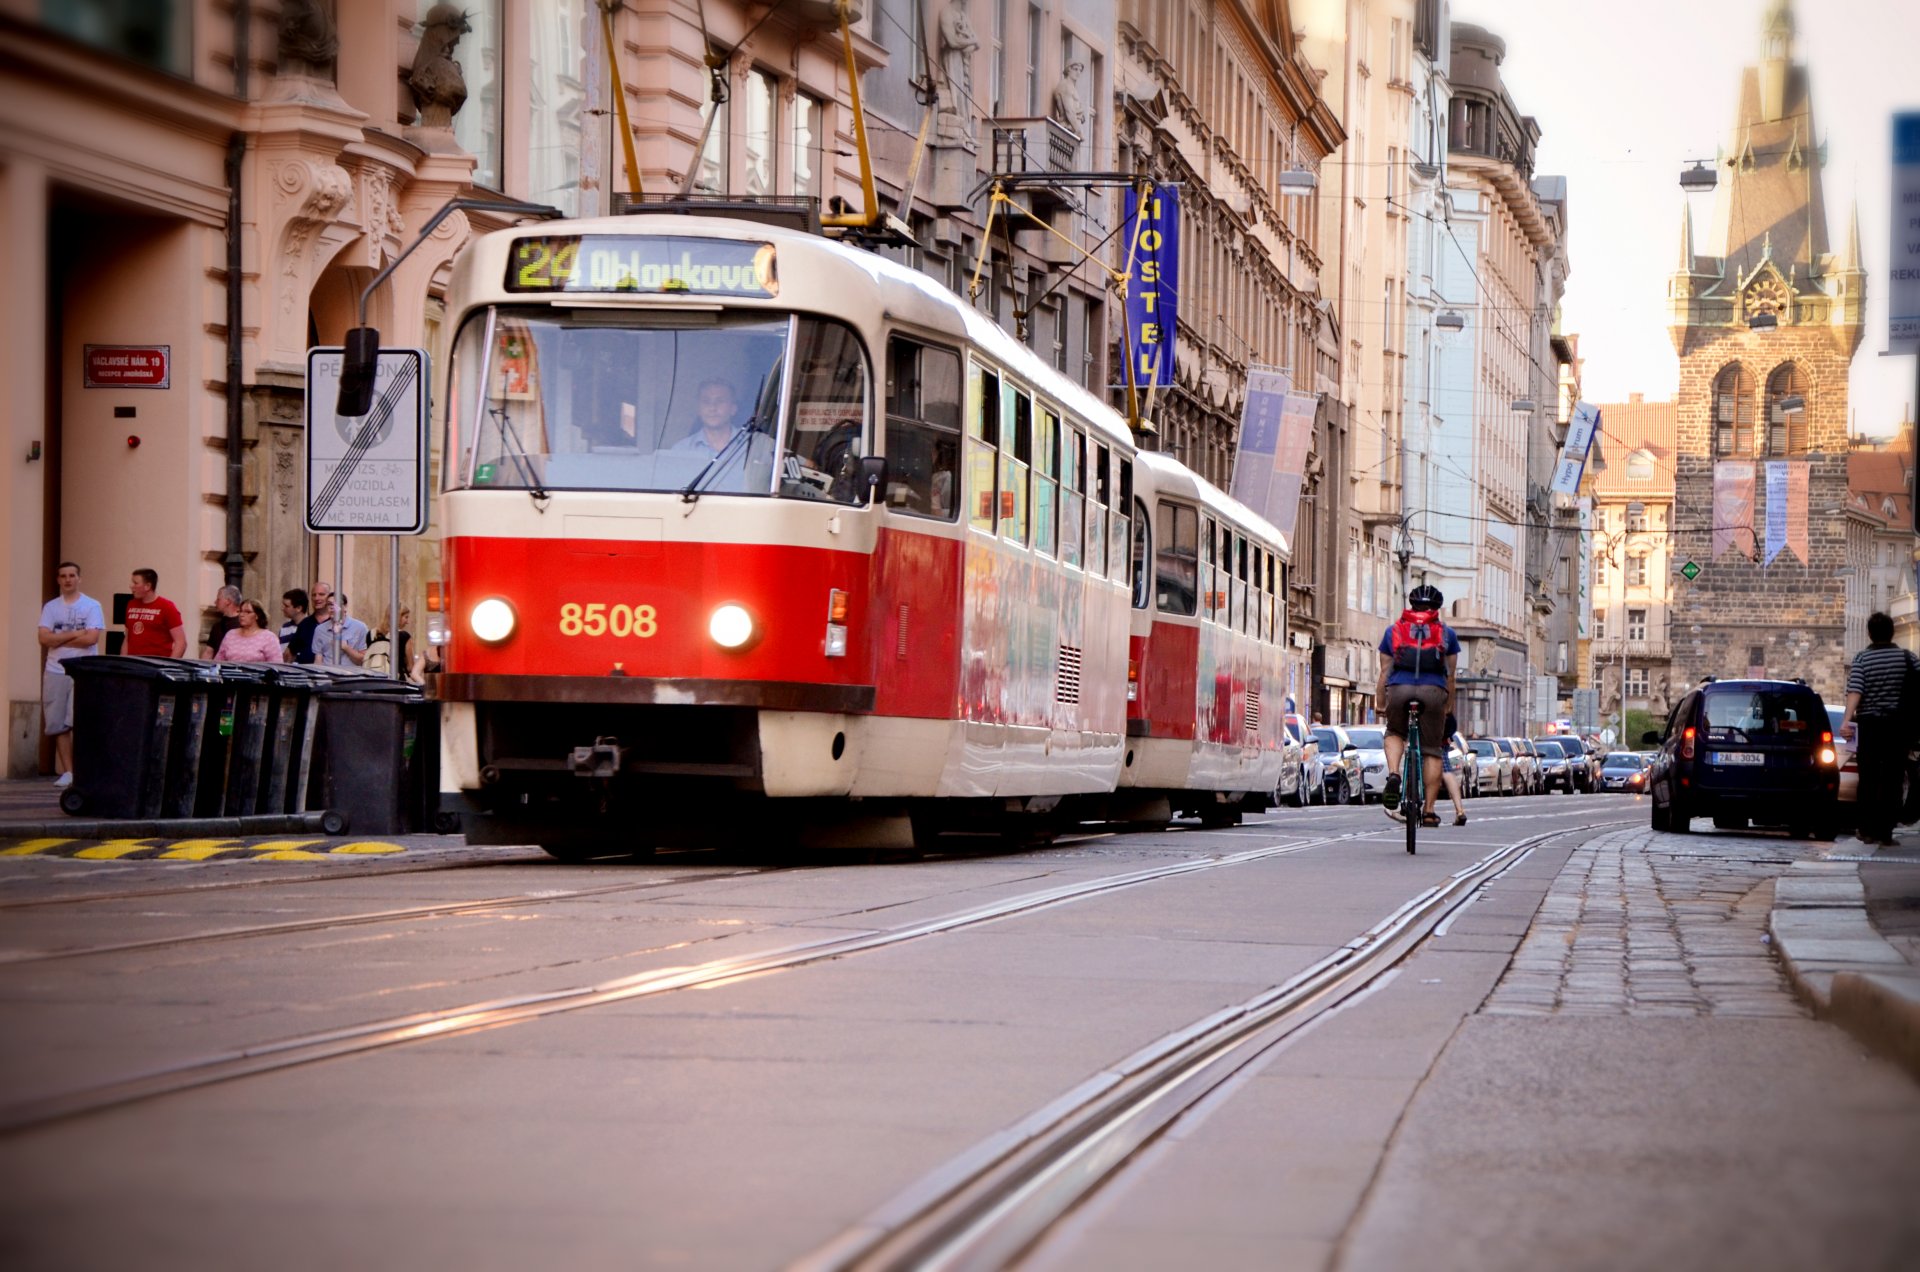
[[1766, 321]]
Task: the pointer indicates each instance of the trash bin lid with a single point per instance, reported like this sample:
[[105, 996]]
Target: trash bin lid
[[129, 667], [244, 673]]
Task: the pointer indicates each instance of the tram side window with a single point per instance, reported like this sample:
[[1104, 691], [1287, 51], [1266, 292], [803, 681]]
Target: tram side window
[[1073, 498], [1257, 601], [1016, 456], [1097, 513], [923, 428], [1175, 559], [983, 448], [1207, 549], [1240, 577], [1046, 480], [1273, 599], [1123, 502], [1142, 553], [827, 431]]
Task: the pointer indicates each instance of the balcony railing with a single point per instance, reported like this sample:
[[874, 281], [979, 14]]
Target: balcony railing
[[1033, 145]]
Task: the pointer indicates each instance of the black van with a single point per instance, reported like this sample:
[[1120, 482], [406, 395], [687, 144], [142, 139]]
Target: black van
[[1743, 751]]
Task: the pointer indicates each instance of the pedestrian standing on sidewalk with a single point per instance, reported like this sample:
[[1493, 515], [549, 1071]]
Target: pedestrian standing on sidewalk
[[296, 633], [70, 627], [252, 640], [154, 626], [227, 603], [1880, 712]]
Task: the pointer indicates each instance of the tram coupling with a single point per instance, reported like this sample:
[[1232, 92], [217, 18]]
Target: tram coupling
[[605, 758]]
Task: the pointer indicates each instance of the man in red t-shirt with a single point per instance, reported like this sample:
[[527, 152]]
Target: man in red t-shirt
[[154, 625]]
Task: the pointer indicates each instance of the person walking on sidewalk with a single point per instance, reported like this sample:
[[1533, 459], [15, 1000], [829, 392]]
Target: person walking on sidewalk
[[1880, 710], [70, 627], [1418, 656], [226, 602], [154, 626]]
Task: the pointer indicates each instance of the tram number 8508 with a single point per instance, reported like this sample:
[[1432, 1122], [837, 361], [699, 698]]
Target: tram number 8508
[[599, 619]]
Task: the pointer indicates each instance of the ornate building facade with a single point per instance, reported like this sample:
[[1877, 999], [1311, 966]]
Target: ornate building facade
[[1766, 322]]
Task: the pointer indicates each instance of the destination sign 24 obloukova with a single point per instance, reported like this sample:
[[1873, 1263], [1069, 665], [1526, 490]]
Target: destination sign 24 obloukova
[[635, 264]]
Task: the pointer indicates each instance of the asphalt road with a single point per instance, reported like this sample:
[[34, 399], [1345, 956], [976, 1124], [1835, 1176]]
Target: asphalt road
[[447, 1056]]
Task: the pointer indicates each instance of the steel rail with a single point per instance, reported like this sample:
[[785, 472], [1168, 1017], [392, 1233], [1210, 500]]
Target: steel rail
[[349, 1040], [989, 1206]]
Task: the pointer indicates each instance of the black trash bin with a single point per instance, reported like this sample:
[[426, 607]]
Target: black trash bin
[[233, 742], [125, 710], [199, 698], [370, 753], [289, 745]]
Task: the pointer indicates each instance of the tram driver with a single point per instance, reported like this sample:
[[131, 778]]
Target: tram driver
[[717, 441]]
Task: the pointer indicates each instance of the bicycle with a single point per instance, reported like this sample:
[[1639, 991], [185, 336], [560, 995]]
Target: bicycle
[[1413, 776]]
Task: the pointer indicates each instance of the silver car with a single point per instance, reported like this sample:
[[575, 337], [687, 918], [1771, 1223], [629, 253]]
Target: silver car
[[1495, 764], [1527, 778], [1339, 755]]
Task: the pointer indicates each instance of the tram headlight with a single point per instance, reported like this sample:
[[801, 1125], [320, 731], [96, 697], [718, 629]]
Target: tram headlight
[[492, 620], [731, 626]]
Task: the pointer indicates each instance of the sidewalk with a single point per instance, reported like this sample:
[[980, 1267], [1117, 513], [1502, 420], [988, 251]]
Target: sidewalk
[[1846, 930], [29, 799]]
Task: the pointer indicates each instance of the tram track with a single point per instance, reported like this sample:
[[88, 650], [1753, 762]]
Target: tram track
[[990, 1206], [286, 1053]]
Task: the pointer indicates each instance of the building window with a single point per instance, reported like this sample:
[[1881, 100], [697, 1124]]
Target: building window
[[760, 105], [1636, 624], [1599, 571], [1640, 466], [567, 141], [804, 145], [1637, 571], [1636, 516], [1733, 412], [1786, 430], [1599, 624], [477, 126], [1636, 682], [156, 33]]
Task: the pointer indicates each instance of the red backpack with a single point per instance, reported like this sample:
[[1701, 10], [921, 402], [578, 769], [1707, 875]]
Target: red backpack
[[1419, 643]]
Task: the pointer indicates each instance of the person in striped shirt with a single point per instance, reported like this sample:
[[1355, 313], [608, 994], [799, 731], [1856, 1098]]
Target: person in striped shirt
[[1879, 711]]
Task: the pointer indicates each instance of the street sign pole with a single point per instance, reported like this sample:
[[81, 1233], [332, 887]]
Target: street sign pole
[[367, 474]]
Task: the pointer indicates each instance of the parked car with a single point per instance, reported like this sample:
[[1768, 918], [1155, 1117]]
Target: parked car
[[1624, 771], [1583, 761], [1743, 751], [1495, 766], [1287, 789], [1556, 770], [1526, 766], [1340, 780], [1467, 764], [1309, 778], [1371, 739], [1849, 755]]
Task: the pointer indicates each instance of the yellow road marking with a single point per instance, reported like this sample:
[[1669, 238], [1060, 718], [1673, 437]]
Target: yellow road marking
[[290, 854], [199, 849], [281, 845], [30, 846], [111, 849], [369, 846]]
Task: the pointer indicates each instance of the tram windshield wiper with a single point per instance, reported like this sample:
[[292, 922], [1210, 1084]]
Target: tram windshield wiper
[[516, 451], [691, 492]]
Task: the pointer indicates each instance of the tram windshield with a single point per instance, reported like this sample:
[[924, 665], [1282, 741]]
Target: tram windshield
[[694, 402]]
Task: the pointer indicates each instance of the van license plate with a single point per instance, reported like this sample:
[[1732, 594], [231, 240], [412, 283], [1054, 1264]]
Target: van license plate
[[1737, 757]]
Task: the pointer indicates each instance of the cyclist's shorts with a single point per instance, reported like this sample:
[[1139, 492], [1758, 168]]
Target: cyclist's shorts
[[1433, 714]]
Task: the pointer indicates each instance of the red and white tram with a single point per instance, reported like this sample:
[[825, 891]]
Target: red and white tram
[[742, 525]]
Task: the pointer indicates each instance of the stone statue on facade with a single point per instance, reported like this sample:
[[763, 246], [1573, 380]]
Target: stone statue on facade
[[954, 123], [309, 42], [1069, 101], [439, 88]]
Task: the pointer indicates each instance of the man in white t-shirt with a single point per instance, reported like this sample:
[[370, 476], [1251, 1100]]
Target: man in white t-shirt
[[70, 627]]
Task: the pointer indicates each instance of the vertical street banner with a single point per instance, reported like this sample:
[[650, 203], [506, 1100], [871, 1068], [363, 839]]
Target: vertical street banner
[[1903, 273], [1733, 507], [1584, 610], [1776, 508], [1581, 431], [1276, 431], [1153, 289], [1797, 480]]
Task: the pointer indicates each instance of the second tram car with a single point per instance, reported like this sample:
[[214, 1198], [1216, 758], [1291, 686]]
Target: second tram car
[[742, 525]]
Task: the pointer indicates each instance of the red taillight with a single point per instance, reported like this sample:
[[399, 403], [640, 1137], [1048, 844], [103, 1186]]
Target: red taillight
[[433, 596], [1826, 739], [1133, 680], [1686, 744]]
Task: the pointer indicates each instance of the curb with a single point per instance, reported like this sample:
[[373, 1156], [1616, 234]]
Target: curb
[[1840, 966]]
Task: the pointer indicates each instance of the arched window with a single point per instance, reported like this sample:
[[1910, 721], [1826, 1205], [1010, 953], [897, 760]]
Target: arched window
[[1787, 410], [1640, 466], [1733, 412]]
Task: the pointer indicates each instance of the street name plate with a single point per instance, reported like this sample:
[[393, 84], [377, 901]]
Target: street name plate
[[368, 475]]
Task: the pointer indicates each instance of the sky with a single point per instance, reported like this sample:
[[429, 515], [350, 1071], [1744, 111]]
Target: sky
[[1629, 92]]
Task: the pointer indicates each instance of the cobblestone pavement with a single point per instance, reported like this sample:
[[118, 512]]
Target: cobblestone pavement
[[1640, 923]]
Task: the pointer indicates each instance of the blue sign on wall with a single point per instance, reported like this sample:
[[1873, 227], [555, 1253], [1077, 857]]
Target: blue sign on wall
[[1153, 286]]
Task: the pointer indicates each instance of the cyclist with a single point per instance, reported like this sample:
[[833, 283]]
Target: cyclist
[[1418, 656]]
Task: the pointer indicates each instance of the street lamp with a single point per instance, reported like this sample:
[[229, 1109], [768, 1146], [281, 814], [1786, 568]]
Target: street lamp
[[1698, 178], [1297, 183], [1450, 321], [1525, 406], [1762, 322]]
